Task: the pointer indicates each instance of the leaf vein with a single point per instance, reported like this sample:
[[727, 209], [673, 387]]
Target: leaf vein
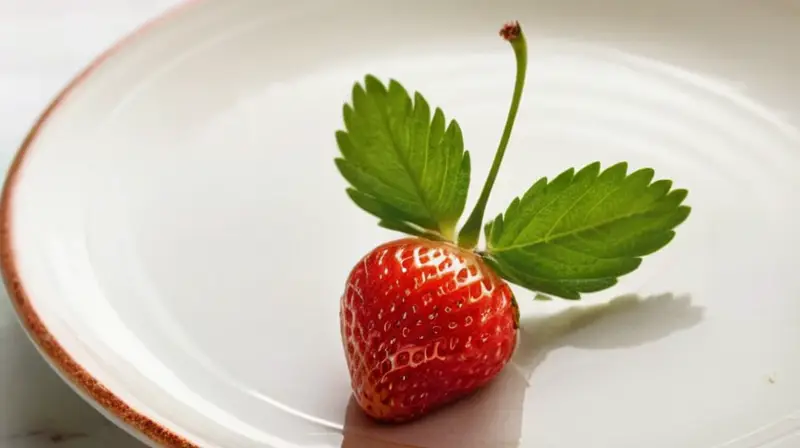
[[600, 202], [531, 220], [569, 209], [577, 230], [403, 160]]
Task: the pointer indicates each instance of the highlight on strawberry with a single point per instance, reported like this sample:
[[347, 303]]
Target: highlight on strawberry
[[429, 318]]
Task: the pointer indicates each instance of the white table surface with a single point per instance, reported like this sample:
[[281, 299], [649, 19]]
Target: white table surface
[[43, 44]]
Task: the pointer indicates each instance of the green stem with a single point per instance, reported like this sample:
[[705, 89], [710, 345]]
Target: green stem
[[470, 234]]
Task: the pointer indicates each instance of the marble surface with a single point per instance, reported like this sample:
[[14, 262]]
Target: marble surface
[[43, 44]]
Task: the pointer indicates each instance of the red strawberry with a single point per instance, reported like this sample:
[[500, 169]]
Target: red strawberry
[[423, 323], [424, 319]]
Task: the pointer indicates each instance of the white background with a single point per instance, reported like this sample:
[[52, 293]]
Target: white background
[[43, 44]]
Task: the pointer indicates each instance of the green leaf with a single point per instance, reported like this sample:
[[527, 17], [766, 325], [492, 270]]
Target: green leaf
[[403, 164], [581, 231]]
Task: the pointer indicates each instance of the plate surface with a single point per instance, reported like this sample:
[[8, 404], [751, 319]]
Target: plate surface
[[176, 237]]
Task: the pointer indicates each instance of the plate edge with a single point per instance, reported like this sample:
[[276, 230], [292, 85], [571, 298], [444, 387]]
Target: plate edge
[[58, 358]]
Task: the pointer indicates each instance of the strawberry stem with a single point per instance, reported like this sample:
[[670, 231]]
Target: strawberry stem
[[470, 234]]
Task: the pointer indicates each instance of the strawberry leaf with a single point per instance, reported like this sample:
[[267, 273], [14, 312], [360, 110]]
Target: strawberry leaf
[[403, 165], [581, 231]]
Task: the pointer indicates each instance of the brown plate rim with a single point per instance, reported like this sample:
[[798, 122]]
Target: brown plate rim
[[82, 380]]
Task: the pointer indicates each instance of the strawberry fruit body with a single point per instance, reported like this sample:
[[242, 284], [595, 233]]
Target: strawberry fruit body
[[423, 323]]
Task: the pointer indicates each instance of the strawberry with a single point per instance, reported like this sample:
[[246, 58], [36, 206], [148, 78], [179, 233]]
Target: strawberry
[[423, 323], [428, 319]]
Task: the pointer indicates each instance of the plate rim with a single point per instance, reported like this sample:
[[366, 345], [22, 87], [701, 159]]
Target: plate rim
[[71, 371]]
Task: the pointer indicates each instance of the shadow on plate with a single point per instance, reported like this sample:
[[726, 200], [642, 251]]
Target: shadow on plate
[[493, 416]]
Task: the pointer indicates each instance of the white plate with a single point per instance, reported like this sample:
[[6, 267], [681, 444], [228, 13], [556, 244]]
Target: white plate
[[176, 237]]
